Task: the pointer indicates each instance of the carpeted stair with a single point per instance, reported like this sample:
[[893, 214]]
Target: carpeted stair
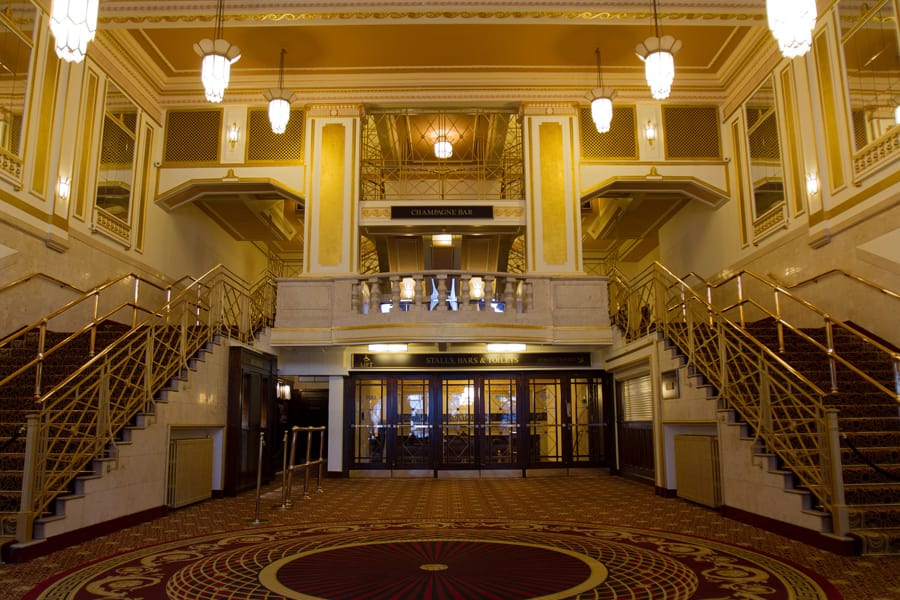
[[869, 424], [17, 397]]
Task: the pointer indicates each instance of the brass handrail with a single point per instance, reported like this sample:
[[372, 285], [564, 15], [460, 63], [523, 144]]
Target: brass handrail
[[79, 418], [31, 276], [868, 283], [786, 410]]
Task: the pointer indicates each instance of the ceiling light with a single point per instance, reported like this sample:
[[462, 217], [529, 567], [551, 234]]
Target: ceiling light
[[445, 240], [792, 22], [658, 54], [443, 148], [387, 347], [601, 101], [279, 101], [73, 24], [218, 56]]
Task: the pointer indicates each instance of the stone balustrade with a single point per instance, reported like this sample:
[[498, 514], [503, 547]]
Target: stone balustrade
[[434, 306]]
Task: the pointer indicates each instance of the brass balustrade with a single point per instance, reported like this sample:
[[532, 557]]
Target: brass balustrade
[[785, 409], [78, 420]]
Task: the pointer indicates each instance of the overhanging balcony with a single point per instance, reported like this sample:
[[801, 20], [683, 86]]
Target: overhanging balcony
[[442, 306]]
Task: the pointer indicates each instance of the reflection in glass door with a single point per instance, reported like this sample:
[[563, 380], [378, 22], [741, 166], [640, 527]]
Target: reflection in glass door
[[413, 424], [585, 415], [369, 426], [501, 427], [458, 422], [545, 425]]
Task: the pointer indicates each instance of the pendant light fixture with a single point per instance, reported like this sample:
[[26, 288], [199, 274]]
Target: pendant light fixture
[[73, 24], [792, 22], [601, 101], [279, 101], [218, 56], [658, 54], [443, 148]]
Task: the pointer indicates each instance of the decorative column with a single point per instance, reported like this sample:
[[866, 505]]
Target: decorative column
[[332, 197], [553, 216]]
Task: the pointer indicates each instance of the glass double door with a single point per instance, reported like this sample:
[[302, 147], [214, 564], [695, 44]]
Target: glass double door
[[476, 422]]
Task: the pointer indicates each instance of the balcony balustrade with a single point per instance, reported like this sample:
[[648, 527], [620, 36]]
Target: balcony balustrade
[[430, 306]]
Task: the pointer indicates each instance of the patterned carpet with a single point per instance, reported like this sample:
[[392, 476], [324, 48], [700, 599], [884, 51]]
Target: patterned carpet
[[585, 536], [441, 560]]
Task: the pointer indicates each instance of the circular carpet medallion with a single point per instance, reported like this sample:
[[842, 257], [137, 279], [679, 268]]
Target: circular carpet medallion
[[439, 560]]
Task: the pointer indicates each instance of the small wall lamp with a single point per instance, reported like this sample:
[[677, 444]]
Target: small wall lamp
[[650, 132], [233, 134], [63, 187], [812, 184]]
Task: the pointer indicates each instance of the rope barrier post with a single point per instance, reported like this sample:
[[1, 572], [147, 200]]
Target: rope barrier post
[[284, 474], [262, 443], [288, 502]]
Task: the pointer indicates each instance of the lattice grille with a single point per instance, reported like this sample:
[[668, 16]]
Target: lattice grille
[[368, 257], [118, 142], [193, 136], [763, 136], [692, 132], [516, 261], [620, 142], [263, 145]]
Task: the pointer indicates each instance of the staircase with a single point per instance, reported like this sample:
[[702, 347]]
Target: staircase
[[65, 398], [868, 422], [821, 399]]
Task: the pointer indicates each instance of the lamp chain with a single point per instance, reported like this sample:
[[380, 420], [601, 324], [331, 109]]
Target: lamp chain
[[656, 18], [599, 72], [281, 70], [220, 16]]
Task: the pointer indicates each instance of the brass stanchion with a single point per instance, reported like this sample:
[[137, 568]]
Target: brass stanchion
[[262, 443], [290, 480], [284, 474]]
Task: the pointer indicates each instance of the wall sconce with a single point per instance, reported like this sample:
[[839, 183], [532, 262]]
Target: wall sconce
[[63, 187], [650, 132], [233, 134], [897, 114], [812, 184], [443, 240], [407, 288]]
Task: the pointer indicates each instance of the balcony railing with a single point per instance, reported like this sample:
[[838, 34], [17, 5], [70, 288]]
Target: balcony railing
[[444, 305]]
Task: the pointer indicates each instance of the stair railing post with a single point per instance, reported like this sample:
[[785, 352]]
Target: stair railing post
[[832, 363], [833, 473], [895, 359], [259, 463], [321, 459], [149, 352], [134, 300], [39, 367], [723, 361], [309, 432], [740, 285], [92, 348], [765, 400], [779, 325], [293, 452], [30, 479], [284, 473], [103, 428]]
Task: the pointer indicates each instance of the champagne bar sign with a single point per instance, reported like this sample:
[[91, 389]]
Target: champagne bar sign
[[442, 212], [403, 360]]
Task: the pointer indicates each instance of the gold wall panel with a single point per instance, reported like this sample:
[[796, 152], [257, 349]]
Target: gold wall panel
[[143, 196], [84, 188], [793, 171], [736, 136], [553, 194], [43, 147], [331, 195], [830, 112]]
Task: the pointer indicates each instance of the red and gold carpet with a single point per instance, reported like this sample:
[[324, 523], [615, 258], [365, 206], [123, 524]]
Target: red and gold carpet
[[439, 560]]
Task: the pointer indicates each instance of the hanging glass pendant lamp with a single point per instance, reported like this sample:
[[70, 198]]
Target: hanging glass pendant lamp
[[218, 56], [601, 101], [792, 23], [658, 54], [73, 24], [279, 101]]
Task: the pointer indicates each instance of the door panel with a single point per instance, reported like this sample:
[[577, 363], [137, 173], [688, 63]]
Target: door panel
[[545, 427], [586, 422], [500, 439], [369, 427], [413, 424], [458, 422]]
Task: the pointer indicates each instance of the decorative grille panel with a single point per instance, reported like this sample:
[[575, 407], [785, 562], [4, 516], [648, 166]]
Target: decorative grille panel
[[193, 136], [263, 145], [763, 137], [117, 147], [692, 132], [620, 142]]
